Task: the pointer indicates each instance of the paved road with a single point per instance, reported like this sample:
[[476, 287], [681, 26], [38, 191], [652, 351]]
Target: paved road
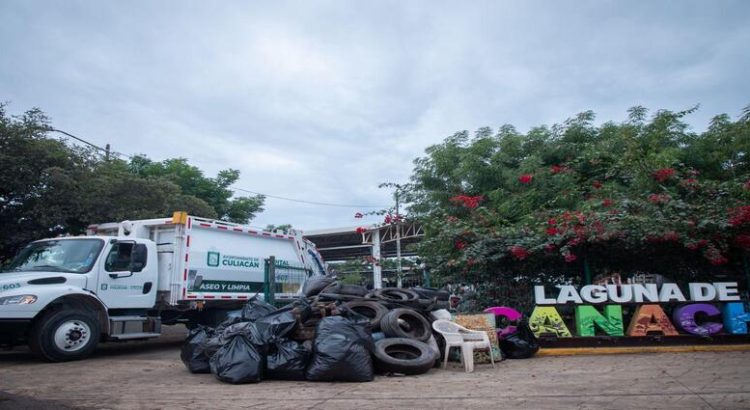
[[150, 375]]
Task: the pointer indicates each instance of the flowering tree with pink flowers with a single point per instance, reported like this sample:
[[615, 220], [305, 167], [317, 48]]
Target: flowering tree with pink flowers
[[579, 199]]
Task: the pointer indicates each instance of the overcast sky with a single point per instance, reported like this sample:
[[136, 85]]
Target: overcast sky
[[323, 100]]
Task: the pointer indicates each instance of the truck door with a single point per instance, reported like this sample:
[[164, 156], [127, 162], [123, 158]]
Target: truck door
[[128, 274]]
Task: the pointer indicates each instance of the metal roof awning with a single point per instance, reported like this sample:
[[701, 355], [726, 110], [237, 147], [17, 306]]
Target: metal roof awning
[[346, 243]]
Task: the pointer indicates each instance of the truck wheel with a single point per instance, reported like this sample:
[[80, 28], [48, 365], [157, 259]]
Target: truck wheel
[[63, 335]]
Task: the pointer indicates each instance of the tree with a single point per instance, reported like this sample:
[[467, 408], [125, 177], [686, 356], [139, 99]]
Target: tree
[[285, 228], [48, 188], [559, 201], [213, 191]]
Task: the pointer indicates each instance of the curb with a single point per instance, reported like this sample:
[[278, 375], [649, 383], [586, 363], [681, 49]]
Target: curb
[[575, 351]]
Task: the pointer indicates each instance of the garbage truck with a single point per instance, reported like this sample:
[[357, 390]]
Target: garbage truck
[[123, 281]]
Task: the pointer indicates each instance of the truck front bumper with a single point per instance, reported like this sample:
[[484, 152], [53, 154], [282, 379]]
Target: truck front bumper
[[14, 331]]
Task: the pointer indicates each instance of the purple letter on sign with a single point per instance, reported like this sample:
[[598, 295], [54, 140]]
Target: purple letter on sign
[[684, 316], [510, 313]]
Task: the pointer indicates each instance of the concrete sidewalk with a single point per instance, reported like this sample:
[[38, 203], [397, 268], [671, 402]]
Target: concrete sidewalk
[[150, 375]]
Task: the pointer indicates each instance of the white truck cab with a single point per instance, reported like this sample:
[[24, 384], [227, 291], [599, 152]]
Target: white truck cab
[[123, 280]]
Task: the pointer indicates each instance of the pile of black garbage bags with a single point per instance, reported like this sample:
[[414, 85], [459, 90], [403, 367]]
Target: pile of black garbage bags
[[322, 336]]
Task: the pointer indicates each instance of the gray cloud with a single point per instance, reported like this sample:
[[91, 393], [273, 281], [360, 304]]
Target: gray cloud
[[324, 100]]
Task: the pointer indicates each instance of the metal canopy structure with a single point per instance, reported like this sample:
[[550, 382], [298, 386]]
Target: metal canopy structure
[[377, 241], [346, 243]]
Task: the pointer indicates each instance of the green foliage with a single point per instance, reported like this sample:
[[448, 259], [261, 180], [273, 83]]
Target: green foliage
[[49, 188], [285, 228], [193, 184], [641, 195]]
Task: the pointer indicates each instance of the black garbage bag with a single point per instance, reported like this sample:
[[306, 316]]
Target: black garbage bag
[[302, 307], [313, 286], [216, 340], [256, 308], [242, 357], [520, 345], [287, 360], [342, 349], [279, 324], [193, 351]]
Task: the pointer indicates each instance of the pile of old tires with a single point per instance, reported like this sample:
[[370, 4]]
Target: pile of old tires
[[400, 321], [336, 332]]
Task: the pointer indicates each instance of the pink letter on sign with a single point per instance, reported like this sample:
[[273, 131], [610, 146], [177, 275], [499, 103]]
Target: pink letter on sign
[[509, 313]]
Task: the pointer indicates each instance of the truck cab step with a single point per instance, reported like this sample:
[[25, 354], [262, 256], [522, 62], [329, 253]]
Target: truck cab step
[[141, 335]]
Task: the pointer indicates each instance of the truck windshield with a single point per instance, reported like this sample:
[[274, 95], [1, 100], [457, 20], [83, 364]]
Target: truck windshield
[[70, 255]]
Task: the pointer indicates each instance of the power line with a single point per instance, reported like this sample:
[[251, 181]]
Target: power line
[[308, 202], [302, 201]]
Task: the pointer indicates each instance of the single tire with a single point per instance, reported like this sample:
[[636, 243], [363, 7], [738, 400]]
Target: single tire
[[65, 334], [371, 309], [406, 323], [402, 355], [430, 293], [354, 290], [338, 296], [396, 295]]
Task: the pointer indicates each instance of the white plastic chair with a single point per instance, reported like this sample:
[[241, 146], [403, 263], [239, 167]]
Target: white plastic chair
[[465, 339]]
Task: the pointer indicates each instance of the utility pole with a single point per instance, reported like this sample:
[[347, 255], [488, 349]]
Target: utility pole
[[398, 243], [106, 152]]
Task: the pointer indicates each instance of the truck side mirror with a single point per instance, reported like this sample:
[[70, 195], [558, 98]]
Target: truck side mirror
[[139, 258]]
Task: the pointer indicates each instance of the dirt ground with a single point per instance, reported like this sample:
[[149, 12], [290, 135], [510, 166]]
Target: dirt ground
[[149, 375]]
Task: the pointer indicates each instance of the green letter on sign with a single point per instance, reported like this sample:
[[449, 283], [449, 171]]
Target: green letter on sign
[[546, 319], [611, 322]]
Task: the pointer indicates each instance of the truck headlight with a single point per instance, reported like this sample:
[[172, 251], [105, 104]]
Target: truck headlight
[[18, 300]]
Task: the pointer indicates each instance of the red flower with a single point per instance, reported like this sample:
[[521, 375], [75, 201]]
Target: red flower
[[519, 252], [388, 219], [470, 202], [659, 198], [361, 230], [550, 247], [746, 185], [557, 169], [358, 215], [460, 244], [596, 184], [663, 174], [671, 236], [552, 231], [607, 202], [743, 241], [570, 257], [718, 260], [739, 216], [526, 178], [552, 222], [714, 256]]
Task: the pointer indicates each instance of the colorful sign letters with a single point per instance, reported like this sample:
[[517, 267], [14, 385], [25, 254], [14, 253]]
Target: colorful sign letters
[[698, 318]]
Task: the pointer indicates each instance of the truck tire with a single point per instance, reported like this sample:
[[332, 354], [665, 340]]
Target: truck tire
[[405, 356], [65, 334], [406, 323]]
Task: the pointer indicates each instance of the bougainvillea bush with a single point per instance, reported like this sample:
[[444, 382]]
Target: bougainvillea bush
[[644, 195]]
